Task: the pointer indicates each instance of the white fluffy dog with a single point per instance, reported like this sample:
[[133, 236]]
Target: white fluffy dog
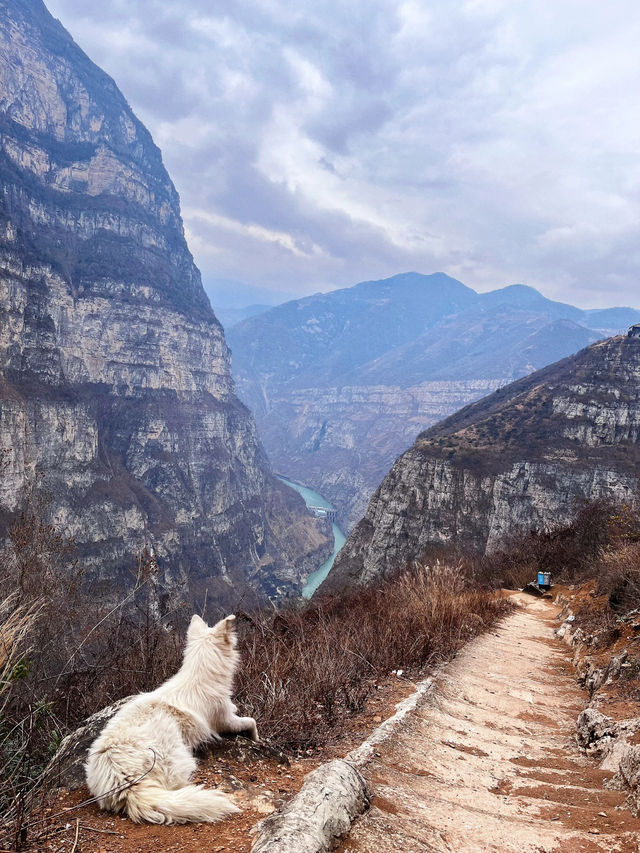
[[143, 760]]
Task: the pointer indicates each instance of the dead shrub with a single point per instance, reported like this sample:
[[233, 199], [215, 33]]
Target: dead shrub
[[305, 671], [619, 577], [570, 551]]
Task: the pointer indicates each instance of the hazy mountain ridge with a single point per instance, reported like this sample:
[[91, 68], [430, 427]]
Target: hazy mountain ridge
[[342, 382], [115, 375], [522, 457], [236, 301]]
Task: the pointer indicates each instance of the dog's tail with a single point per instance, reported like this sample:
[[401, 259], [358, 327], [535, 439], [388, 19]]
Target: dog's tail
[[149, 802], [146, 798]]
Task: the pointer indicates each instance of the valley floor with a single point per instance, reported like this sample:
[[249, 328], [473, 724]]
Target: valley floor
[[490, 761]]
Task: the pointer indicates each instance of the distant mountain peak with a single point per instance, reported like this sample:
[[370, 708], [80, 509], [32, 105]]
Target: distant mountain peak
[[430, 280]]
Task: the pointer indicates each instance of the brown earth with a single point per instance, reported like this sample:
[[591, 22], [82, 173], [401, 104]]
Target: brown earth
[[258, 779], [490, 762], [605, 638]]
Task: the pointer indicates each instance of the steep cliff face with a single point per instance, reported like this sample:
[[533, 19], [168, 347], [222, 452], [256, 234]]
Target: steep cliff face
[[520, 458], [341, 383], [115, 376], [342, 441]]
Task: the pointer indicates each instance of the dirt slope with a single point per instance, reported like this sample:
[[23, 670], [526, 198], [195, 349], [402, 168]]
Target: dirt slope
[[490, 762]]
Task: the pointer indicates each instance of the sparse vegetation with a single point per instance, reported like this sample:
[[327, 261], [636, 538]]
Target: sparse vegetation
[[571, 552], [601, 546], [619, 577], [305, 671]]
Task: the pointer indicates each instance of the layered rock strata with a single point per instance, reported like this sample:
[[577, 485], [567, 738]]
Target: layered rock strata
[[525, 456], [115, 384]]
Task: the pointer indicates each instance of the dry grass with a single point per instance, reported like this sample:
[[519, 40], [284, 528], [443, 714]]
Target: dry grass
[[305, 672], [570, 552], [619, 577], [601, 545], [17, 625]]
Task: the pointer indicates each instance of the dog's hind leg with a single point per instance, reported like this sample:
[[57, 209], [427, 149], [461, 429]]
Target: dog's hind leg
[[179, 766]]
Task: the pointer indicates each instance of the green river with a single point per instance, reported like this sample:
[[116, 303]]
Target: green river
[[312, 498]]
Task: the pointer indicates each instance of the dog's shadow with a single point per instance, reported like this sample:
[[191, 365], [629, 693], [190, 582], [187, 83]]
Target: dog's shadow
[[241, 748]]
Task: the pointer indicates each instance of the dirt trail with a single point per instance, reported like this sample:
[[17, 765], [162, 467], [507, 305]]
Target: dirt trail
[[489, 762]]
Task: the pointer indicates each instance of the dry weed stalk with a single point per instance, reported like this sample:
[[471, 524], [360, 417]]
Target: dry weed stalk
[[619, 576], [16, 629]]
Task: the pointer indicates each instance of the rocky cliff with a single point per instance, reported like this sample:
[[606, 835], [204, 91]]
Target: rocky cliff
[[115, 383], [522, 457], [343, 440], [341, 383]]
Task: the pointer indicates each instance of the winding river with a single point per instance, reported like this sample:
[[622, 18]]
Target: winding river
[[312, 498]]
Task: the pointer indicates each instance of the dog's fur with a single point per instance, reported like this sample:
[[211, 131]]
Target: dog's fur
[[155, 734]]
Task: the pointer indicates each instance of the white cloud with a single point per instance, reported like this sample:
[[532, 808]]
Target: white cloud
[[252, 232], [327, 143]]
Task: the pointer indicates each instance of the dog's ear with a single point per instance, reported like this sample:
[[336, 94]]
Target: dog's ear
[[197, 626], [225, 628], [230, 626]]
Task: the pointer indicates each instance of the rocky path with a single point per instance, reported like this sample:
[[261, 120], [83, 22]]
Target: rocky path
[[489, 761]]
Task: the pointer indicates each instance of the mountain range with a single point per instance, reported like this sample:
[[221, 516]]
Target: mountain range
[[342, 382], [236, 300]]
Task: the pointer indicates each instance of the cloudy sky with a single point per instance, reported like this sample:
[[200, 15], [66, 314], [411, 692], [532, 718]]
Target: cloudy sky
[[321, 143]]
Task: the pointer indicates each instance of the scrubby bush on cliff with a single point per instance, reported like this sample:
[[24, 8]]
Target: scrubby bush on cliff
[[619, 577], [570, 551], [601, 544]]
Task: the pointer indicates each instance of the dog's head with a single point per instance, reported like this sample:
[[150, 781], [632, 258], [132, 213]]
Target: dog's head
[[222, 633]]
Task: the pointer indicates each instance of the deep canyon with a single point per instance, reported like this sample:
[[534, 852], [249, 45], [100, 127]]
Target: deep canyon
[[341, 383]]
